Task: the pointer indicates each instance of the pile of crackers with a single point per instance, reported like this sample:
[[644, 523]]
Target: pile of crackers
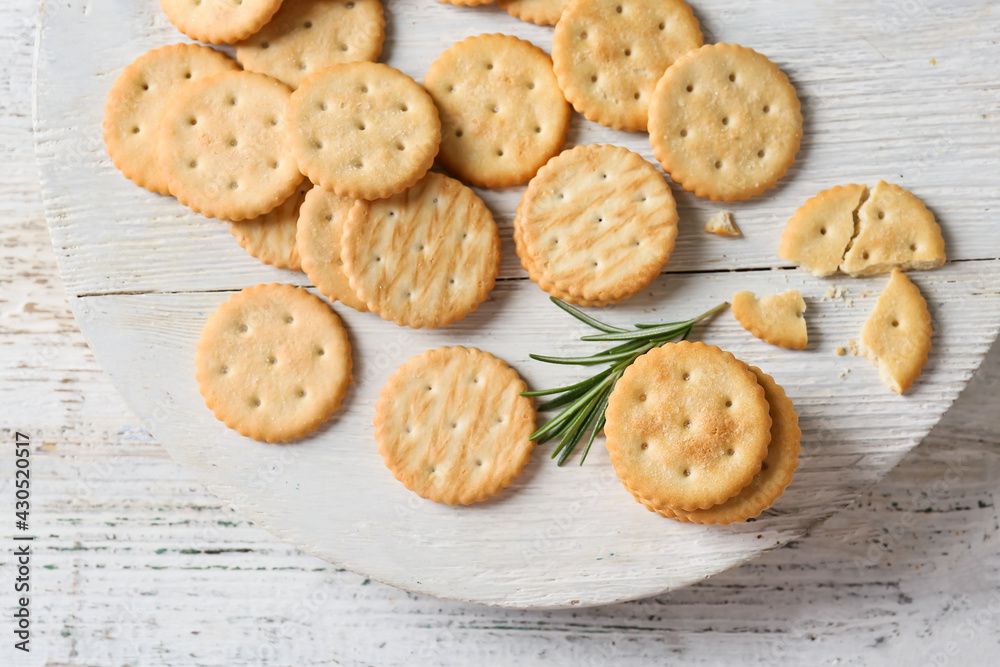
[[320, 160]]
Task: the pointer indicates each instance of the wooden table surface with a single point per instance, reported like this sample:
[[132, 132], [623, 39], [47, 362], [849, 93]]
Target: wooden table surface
[[138, 564]]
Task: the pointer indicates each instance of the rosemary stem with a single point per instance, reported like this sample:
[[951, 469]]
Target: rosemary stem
[[559, 390], [571, 410]]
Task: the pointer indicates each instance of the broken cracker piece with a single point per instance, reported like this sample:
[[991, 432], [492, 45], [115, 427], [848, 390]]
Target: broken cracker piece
[[896, 337], [820, 231], [894, 230], [775, 318], [722, 224]]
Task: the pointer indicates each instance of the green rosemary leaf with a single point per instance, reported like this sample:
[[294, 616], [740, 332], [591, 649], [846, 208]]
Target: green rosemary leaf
[[594, 415], [584, 317], [575, 431], [571, 396], [625, 347], [598, 427], [643, 334], [573, 387], [569, 412], [583, 361]]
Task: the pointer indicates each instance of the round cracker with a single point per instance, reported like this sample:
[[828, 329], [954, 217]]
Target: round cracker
[[138, 102], [223, 149], [595, 225], [219, 22], [775, 473], [725, 122], [452, 427], [363, 130], [273, 362], [609, 55], [320, 227], [307, 35], [271, 237], [688, 426], [539, 12], [425, 257], [502, 113]]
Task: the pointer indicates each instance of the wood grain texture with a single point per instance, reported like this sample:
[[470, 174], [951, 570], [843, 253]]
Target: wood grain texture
[[594, 546], [141, 565]]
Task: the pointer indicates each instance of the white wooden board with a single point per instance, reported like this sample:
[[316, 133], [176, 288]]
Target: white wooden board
[[143, 275]]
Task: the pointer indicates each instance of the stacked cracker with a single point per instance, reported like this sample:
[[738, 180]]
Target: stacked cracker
[[697, 435]]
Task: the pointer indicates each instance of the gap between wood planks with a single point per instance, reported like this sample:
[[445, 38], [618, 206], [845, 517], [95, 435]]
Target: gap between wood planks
[[688, 272]]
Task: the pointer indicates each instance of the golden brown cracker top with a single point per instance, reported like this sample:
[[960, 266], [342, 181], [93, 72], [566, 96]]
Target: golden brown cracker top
[[222, 146], [775, 472], [896, 337], [778, 319], [539, 12], [425, 257], [688, 426], [219, 22], [451, 425], [502, 113], [821, 229], [139, 100], [895, 230], [725, 122], [609, 55], [273, 362], [363, 130], [307, 35], [596, 223]]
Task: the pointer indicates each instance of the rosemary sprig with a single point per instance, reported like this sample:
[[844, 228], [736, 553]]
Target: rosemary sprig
[[584, 403]]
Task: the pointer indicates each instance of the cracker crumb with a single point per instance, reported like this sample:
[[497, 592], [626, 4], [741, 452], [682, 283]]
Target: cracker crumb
[[821, 315], [840, 351], [842, 374], [933, 61], [830, 292], [864, 294], [722, 224], [853, 347], [850, 303]]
